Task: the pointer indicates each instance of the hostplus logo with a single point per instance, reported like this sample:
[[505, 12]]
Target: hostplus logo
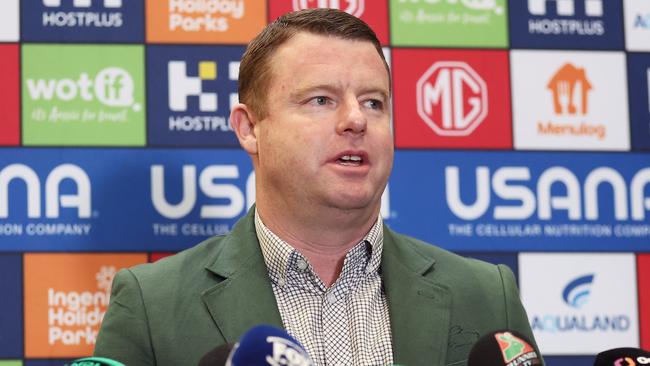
[[452, 98], [106, 15], [353, 7], [576, 293], [569, 93], [560, 17], [183, 87]]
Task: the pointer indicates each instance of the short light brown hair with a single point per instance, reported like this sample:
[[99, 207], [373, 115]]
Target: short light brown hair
[[255, 71]]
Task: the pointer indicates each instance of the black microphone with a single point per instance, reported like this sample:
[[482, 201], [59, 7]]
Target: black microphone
[[217, 356], [504, 348], [95, 361], [267, 345], [623, 357]]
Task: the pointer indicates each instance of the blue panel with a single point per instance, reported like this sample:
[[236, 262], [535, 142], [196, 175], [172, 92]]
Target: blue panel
[[569, 360], [191, 122], [47, 362], [424, 206], [11, 306], [638, 68], [542, 24], [509, 259], [103, 21]]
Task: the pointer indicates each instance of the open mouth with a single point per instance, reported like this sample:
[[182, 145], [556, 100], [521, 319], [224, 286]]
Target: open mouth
[[350, 160]]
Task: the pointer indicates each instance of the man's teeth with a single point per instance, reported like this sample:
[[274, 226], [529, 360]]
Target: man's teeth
[[351, 159]]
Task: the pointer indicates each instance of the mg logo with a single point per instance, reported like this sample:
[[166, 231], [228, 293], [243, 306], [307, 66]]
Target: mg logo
[[576, 293], [353, 7], [83, 3], [593, 8], [570, 88], [452, 99]]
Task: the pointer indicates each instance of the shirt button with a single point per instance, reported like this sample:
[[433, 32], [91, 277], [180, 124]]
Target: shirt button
[[282, 282], [302, 265], [331, 298]]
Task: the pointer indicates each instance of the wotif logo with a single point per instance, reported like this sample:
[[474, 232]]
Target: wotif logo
[[84, 3], [54, 200], [468, 4], [576, 293], [74, 317], [593, 8], [112, 87], [181, 87], [452, 99], [580, 201], [353, 7]]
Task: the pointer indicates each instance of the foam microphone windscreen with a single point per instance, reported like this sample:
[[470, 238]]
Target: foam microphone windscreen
[[504, 348], [217, 356], [95, 361], [623, 357]]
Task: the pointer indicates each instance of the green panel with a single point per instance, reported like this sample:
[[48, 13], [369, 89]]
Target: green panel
[[449, 23], [83, 95], [11, 363]]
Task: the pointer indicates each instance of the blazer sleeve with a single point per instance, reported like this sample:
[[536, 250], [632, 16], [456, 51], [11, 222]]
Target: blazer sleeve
[[515, 312], [124, 335]]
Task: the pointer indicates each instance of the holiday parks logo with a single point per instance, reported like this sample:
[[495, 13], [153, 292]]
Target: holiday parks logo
[[83, 95], [454, 23], [66, 297]]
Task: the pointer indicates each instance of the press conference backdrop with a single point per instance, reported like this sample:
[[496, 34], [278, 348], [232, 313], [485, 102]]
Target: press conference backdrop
[[522, 130]]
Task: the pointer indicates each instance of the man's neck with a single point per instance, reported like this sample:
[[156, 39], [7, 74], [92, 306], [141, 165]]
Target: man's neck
[[324, 239]]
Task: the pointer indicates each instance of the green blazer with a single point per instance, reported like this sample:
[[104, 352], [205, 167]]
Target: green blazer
[[172, 312]]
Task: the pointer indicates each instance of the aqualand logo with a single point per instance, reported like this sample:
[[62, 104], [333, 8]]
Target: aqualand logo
[[569, 90], [443, 94], [642, 21], [181, 87], [514, 349], [576, 293], [353, 7], [83, 16]]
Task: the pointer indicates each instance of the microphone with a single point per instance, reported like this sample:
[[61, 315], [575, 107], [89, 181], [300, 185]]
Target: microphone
[[503, 348], [623, 357], [95, 361], [217, 356], [269, 346]]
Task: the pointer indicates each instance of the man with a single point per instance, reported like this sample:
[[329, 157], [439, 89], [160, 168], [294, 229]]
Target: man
[[313, 255]]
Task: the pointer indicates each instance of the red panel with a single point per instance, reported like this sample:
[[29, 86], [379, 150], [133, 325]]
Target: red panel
[[455, 86], [154, 257], [9, 95], [373, 12]]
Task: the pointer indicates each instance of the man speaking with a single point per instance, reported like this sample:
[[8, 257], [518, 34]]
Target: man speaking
[[313, 255]]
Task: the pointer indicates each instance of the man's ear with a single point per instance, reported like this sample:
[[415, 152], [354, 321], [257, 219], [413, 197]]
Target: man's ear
[[243, 122]]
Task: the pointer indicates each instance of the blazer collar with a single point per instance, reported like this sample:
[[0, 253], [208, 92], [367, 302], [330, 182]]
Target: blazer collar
[[419, 307], [239, 265]]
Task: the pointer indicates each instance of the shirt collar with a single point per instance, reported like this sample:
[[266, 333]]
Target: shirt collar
[[278, 253]]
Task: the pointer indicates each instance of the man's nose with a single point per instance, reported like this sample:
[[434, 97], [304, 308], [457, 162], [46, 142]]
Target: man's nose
[[352, 119]]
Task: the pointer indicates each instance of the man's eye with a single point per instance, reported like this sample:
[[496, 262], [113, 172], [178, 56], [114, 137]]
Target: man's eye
[[320, 100], [374, 104]]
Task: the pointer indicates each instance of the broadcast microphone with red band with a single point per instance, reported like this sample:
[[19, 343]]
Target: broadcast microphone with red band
[[504, 348], [623, 357]]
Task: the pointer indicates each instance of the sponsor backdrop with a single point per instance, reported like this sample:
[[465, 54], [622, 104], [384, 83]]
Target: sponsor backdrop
[[522, 130]]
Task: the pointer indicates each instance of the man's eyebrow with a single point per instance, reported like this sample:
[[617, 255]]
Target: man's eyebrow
[[333, 89]]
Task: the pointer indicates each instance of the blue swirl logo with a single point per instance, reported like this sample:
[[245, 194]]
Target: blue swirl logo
[[576, 293]]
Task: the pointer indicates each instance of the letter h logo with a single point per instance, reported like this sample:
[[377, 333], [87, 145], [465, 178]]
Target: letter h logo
[[182, 86], [593, 8], [83, 3]]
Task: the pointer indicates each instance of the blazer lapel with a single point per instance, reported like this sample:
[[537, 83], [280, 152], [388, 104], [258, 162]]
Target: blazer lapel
[[243, 296], [419, 308]]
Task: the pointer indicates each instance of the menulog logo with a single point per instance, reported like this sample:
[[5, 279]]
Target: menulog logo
[[569, 99], [66, 297], [637, 25], [589, 304]]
